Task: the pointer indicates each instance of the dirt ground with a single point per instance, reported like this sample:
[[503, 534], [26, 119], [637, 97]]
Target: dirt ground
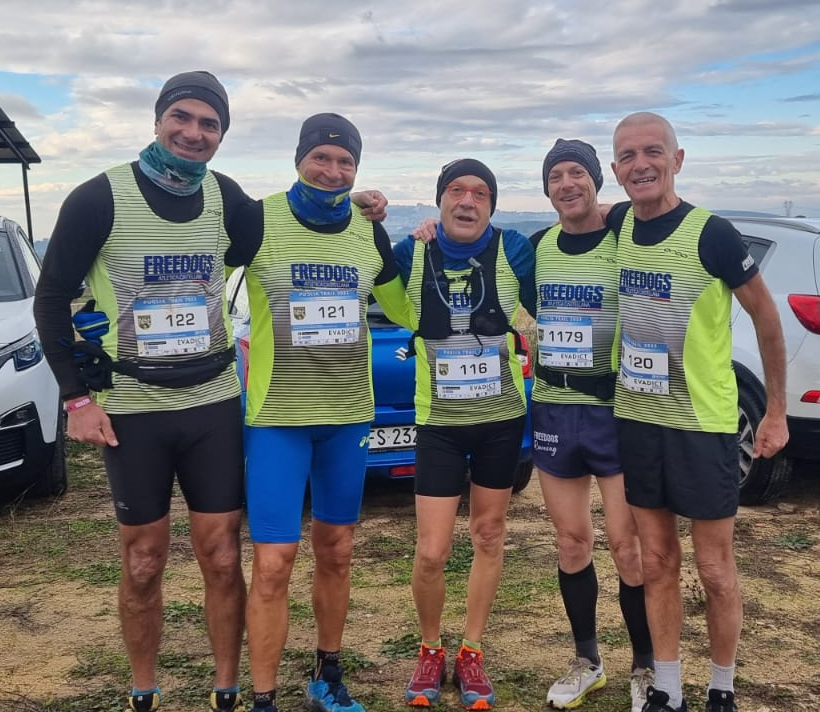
[[61, 650]]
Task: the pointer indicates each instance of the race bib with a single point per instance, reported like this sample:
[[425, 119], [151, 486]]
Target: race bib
[[565, 341], [645, 366], [170, 326], [324, 316], [468, 373]]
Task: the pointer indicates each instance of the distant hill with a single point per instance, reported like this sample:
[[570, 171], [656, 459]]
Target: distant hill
[[40, 247], [403, 219]]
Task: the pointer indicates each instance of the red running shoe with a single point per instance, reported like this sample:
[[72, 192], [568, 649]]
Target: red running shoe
[[425, 685], [474, 686]]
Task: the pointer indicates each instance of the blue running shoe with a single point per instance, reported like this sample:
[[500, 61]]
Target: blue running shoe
[[329, 694]]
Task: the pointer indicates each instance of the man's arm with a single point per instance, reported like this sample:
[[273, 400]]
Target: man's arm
[[772, 433], [82, 227]]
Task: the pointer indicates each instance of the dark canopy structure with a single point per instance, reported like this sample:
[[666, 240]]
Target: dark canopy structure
[[14, 148]]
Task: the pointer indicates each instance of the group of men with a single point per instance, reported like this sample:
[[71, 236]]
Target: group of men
[[633, 386]]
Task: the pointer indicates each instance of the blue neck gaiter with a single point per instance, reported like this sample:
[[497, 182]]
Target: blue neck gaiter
[[317, 205], [178, 176], [455, 253]]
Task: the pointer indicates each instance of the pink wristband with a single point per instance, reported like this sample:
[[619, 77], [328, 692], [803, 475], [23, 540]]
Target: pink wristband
[[77, 404]]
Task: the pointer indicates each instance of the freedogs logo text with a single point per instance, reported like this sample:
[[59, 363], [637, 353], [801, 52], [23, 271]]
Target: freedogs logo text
[[178, 268], [657, 285]]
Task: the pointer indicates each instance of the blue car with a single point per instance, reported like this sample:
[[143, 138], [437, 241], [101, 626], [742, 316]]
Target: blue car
[[391, 452]]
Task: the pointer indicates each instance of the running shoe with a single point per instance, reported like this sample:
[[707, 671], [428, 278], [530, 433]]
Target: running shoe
[[143, 703], [425, 685], [721, 701], [226, 702], [329, 694], [476, 690], [572, 687], [658, 701], [639, 682]]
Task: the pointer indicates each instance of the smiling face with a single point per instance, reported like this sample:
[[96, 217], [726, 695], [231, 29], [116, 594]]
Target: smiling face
[[190, 129], [328, 166], [464, 218], [573, 195], [647, 158]]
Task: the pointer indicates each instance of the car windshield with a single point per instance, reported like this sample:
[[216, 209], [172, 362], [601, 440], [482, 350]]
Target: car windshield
[[11, 282]]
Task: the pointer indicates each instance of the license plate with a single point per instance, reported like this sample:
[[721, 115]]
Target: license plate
[[394, 437]]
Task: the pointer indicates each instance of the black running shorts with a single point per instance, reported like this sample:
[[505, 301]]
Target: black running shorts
[[201, 446], [444, 453], [691, 473]]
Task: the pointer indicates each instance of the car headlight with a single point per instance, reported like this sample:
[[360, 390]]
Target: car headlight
[[27, 353]]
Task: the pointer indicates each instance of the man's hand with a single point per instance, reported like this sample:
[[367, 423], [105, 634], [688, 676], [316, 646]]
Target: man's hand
[[771, 436], [426, 230], [91, 424], [373, 204]]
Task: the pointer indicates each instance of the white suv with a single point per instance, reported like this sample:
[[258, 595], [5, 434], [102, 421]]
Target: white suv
[[32, 440], [787, 250]]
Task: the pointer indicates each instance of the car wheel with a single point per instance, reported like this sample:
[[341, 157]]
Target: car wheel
[[53, 481], [522, 476], [761, 479]]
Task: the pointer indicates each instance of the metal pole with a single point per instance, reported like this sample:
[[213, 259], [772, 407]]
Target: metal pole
[[28, 205]]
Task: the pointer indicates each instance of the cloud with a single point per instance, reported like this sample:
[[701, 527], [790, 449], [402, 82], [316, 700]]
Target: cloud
[[423, 81]]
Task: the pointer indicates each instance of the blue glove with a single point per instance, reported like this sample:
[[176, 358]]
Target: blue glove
[[90, 324]]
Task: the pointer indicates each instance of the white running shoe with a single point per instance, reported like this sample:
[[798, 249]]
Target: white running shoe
[[640, 679], [572, 687]]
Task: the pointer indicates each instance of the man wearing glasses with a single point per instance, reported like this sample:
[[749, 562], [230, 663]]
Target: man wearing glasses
[[466, 288]]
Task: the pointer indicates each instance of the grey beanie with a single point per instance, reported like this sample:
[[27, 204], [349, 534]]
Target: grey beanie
[[321, 129], [200, 85], [573, 150], [466, 167]]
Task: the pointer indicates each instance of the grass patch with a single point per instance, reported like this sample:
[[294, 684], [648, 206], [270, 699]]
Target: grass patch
[[299, 611], [94, 662], [181, 527], [184, 612], [461, 558], [103, 573], [407, 646], [798, 541], [615, 636]]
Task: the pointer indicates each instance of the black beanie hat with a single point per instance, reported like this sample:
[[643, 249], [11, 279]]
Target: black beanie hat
[[336, 130], [573, 150], [466, 167], [195, 85]]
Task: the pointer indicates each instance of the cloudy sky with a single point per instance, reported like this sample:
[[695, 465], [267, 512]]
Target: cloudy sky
[[425, 82]]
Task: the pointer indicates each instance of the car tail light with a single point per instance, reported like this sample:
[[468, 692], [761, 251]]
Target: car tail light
[[244, 345], [403, 471], [806, 308], [810, 397], [526, 361]]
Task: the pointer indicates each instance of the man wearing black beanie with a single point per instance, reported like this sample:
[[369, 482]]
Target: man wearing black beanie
[[466, 289], [200, 85], [575, 434], [310, 402], [149, 237]]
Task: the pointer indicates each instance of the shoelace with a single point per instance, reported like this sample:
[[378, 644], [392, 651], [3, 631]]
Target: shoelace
[[429, 667], [576, 669], [473, 670]]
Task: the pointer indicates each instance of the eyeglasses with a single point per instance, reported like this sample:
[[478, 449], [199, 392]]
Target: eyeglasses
[[457, 192]]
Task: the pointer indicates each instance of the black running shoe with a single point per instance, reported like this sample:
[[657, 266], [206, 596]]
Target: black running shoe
[[226, 702], [143, 703], [721, 701], [658, 701]]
